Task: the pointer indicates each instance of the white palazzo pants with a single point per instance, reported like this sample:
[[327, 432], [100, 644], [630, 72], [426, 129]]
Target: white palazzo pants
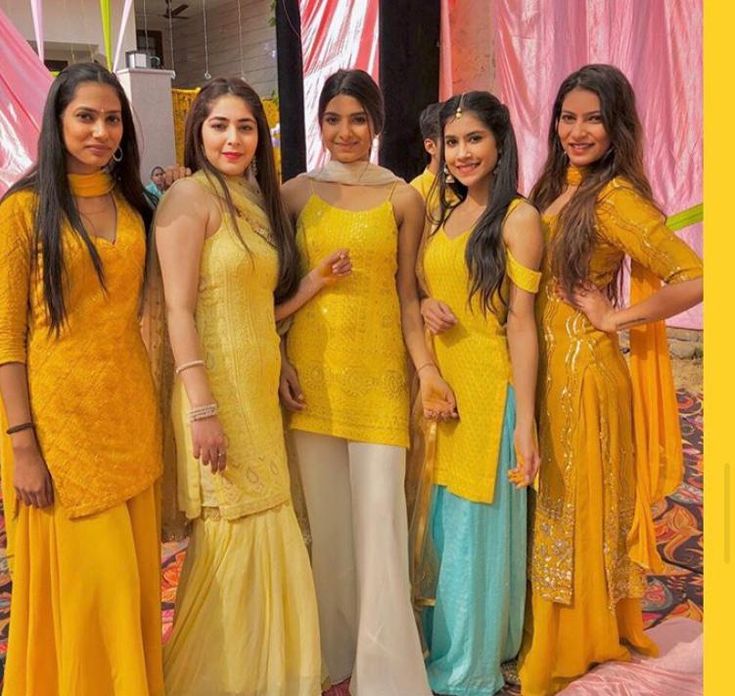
[[357, 514]]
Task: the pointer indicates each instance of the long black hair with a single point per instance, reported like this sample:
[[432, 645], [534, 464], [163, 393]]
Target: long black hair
[[48, 180], [267, 178], [485, 251], [571, 248]]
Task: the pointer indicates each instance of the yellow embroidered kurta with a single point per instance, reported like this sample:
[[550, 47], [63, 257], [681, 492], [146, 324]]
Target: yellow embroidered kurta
[[467, 449], [240, 347], [346, 344], [246, 620], [91, 390], [584, 585], [86, 613]]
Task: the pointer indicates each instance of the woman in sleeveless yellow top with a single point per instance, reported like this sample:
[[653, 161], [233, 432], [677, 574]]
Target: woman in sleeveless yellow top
[[351, 429], [81, 447], [246, 622], [480, 265], [593, 536]]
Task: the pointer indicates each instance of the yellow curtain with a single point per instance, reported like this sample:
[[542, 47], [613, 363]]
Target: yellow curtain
[[182, 100]]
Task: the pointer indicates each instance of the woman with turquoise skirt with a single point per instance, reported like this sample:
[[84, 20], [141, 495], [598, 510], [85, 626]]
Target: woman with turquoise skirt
[[481, 269]]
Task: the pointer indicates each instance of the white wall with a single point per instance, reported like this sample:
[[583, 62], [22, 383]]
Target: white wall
[[258, 41], [72, 28]]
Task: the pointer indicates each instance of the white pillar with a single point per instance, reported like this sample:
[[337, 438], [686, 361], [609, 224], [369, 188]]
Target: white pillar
[[149, 92]]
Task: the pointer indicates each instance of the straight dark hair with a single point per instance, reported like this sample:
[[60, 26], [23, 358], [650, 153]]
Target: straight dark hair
[[54, 201], [359, 85], [571, 247], [485, 251], [267, 177]]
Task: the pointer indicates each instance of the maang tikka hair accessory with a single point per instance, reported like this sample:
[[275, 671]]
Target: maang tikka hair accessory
[[458, 113]]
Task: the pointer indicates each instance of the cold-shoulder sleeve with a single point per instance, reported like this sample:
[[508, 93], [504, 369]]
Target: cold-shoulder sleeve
[[16, 240], [525, 278], [634, 225]]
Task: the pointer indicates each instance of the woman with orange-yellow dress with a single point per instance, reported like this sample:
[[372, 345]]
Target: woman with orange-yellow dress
[[602, 465], [83, 446]]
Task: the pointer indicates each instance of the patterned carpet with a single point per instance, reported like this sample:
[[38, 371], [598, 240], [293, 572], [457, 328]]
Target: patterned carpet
[[678, 528]]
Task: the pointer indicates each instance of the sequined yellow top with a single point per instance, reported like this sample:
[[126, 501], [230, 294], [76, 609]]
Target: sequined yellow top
[[581, 370], [91, 392], [473, 358], [346, 344], [240, 347]]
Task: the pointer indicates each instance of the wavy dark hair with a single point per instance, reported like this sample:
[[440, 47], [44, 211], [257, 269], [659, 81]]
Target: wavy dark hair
[[571, 247], [267, 177], [359, 85], [54, 201], [485, 251]]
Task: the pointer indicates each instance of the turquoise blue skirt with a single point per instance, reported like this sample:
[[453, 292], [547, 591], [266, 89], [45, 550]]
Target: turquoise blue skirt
[[477, 622]]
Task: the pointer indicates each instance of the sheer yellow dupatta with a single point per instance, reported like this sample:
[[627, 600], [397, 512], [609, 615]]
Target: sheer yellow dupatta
[[658, 452]]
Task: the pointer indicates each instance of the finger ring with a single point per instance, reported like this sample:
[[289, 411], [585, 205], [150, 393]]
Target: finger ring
[[220, 454]]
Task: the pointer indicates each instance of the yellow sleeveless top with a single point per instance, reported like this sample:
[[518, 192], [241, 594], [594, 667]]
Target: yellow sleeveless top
[[91, 392], [473, 358], [237, 330], [346, 344]]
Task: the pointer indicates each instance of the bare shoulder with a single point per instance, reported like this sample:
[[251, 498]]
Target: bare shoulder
[[295, 192], [185, 197], [524, 221], [407, 201]]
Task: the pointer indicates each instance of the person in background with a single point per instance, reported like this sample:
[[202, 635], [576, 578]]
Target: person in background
[[157, 185]]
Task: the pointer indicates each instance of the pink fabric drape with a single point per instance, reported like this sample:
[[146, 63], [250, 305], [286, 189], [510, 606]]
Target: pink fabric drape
[[24, 83], [334, 35], [657, 44]]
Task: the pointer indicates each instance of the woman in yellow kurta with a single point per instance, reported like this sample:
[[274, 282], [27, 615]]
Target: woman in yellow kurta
[[83, 447], [480, 266], [246, 622], [351, 430], [600, 471]]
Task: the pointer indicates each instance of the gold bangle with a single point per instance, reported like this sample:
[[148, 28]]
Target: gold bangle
[[426, 364], [186, 366]]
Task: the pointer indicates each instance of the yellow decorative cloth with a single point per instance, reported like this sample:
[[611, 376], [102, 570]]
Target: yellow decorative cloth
[[467, 449], [84, 381], [346, 343], [237, 330], [90, 185], [580, 365]]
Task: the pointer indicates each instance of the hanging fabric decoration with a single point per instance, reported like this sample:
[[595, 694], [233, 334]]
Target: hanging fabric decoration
[[107, 30], [37, 10], [121, 33]]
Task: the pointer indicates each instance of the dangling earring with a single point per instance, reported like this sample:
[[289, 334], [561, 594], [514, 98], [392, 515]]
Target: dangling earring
[[118, 154], [448, 175], [254, 168]]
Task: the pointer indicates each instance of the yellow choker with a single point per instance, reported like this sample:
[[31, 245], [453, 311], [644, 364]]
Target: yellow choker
[[90, 185], [575, 175]]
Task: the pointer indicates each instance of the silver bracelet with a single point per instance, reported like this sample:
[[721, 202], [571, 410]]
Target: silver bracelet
[[202, 412]]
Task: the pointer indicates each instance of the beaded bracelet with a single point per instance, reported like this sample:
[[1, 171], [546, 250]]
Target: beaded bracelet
[[186, 366], [20, 428], [202, 412]]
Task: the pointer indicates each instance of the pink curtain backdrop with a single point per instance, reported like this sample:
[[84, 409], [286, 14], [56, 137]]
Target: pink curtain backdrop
[[334, 35], [537, 43], [24, 83]]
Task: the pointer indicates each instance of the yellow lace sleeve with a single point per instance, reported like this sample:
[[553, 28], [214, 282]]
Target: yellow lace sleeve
[[525, 278]]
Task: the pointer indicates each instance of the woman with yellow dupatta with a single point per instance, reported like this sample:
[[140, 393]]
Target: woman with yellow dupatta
[[246, 619], [83, 448], [609, 436]]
